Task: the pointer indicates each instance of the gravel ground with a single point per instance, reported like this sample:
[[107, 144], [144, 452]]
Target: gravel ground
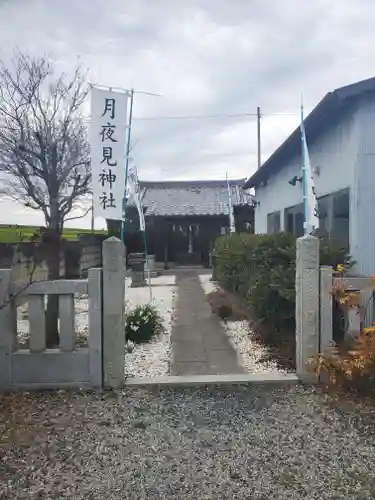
[[146, 360], [235, 443], [251, 354], [152, 359]]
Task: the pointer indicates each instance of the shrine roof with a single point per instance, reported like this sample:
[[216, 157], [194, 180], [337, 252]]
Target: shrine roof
[[192, 198]]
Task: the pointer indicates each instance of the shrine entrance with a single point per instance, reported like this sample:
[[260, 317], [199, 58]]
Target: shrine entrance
[[185, 244]]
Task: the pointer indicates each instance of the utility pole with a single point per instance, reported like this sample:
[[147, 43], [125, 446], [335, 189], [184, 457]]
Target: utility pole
[[258, 138]]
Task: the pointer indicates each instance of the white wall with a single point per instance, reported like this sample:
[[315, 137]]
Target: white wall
[[363, 200], [335, 153], [346, 157]]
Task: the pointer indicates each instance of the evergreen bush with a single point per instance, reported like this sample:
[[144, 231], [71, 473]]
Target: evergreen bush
[[261, 268], [142, 323]]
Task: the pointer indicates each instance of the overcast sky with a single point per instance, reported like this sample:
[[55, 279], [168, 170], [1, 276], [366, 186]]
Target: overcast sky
[[206, 57]]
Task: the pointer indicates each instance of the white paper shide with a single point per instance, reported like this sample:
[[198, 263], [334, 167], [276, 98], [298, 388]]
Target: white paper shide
[[108, 147], [135, 193]]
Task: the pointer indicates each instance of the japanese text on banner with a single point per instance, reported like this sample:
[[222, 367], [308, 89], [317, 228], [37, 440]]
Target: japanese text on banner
[[108, 146]]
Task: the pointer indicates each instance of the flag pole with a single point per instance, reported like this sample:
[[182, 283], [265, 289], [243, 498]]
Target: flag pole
[[144, 235], [127, 165], [303, 169], [147, 263], [134, 184], [232, 228]]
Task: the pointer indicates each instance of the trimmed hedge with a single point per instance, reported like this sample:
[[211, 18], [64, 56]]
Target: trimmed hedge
[[261, 268]]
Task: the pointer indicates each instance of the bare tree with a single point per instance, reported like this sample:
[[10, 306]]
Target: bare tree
[[44, 152]]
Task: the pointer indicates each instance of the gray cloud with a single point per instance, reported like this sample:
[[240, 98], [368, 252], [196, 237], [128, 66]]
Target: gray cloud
[[205, 57]]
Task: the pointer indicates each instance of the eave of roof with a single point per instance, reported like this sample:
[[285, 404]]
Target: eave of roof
[[320, 117]]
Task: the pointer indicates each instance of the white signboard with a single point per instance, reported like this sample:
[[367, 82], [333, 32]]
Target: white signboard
[[108, 148]]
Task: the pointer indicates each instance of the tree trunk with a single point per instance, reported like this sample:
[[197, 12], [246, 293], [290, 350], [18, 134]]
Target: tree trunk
[[53, 264]]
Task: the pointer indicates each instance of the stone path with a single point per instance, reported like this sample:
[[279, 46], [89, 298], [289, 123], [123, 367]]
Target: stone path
[[199, 343]]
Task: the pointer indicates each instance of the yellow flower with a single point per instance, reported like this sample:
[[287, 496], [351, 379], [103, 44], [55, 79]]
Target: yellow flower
[[369, 331], [340, 268]]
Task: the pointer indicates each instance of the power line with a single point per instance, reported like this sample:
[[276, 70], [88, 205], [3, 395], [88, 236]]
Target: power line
[[203, 117], [209, 117]]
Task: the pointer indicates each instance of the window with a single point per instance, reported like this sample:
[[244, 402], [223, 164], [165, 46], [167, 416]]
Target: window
[[340, 226], [333, 217], [289, 226], [298, 224], [294, 219], [273, 223], [324, 210]]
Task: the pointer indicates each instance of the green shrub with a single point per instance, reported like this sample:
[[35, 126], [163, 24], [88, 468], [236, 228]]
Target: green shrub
[[331, 254], [261, 268], [142, 323]]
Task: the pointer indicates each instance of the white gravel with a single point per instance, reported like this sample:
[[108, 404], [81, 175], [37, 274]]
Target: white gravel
[[254, 443], [251, 354], [152, 359], [145, 360]]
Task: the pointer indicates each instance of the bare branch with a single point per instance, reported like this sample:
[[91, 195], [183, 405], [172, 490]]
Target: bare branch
[[44, 152], [79, 216]]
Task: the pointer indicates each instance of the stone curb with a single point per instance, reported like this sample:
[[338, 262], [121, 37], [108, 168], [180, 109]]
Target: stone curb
[[235, 379]]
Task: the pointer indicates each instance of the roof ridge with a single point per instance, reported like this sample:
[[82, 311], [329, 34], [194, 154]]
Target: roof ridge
[[332, 101], [195, 181]]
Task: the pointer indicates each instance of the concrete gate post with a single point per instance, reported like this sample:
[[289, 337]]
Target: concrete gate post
[[113, 312], [307, 305], [6, 331]]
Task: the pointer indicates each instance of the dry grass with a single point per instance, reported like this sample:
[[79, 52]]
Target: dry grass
[[227, 305], [350, 366]]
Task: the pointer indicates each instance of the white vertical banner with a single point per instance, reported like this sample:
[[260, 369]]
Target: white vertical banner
[[135, 193], [108, 149], [311, 202], [232, 225]]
